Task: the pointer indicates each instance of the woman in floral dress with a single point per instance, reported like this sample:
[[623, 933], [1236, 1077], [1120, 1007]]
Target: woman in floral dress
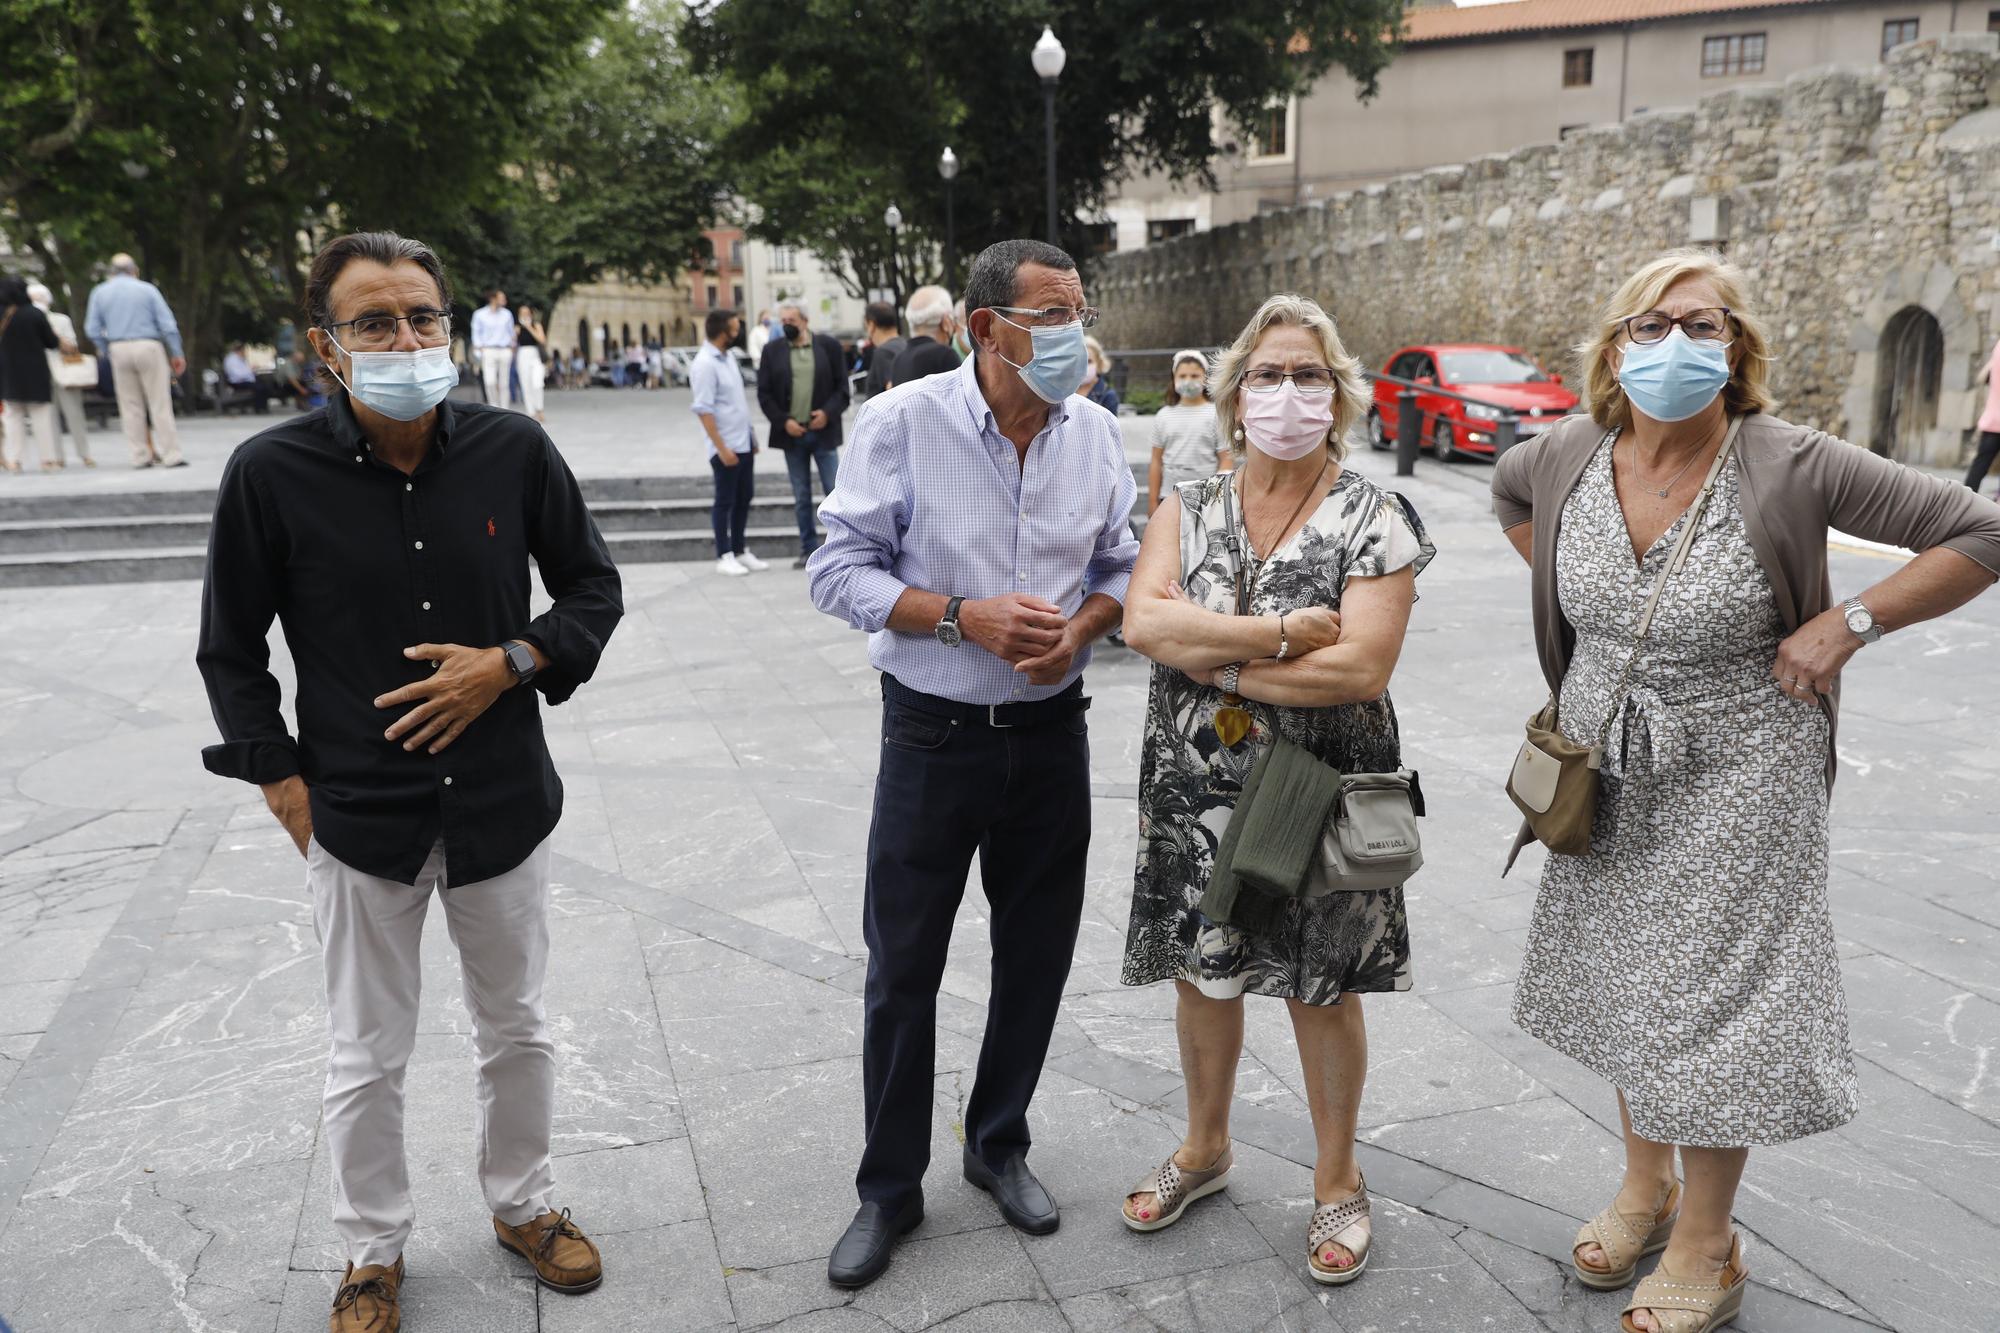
[[1331, 562]]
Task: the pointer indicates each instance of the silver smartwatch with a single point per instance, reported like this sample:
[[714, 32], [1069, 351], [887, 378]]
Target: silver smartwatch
[[1861, 620]]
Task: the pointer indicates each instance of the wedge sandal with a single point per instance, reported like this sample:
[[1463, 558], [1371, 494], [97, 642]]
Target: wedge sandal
[[1174, 1187], [1348, 1223], [1626, 1238], [1691, 1305]]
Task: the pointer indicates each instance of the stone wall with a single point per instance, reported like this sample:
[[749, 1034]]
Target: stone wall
[[1864, 203]]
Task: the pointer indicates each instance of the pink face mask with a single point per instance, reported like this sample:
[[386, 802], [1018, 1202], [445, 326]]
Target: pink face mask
[[1285, 423]]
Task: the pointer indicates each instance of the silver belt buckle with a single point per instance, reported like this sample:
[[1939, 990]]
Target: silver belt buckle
[[993, 717]]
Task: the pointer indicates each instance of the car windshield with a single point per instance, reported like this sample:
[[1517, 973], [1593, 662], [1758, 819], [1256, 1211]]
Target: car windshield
[[1490, 367]]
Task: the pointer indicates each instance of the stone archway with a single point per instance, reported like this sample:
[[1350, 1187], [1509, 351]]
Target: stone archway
[[1909, 373], [1915, 320]]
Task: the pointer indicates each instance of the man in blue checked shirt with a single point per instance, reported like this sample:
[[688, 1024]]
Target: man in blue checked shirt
[[980, 536]]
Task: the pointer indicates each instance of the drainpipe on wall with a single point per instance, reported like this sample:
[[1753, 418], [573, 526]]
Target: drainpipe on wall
[[1624, 64]]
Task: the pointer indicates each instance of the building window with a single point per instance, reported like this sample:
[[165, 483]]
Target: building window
[[736, 296], [736, 253], [1741, 53], [1568, 130], [711, 296], [1269, 137], [1577, 66], [1897, 32], [784, 259], [1165, 229], [1102, 237], [1993, 20]]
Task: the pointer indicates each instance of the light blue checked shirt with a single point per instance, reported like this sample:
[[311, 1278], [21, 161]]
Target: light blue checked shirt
[[125, 309], [931, 497], [718, 392]]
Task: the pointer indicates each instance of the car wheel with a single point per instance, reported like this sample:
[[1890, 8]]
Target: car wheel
[[1442, 444], [1378, 434]]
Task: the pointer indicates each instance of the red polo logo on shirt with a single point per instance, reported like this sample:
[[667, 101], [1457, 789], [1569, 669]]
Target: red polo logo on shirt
[[489, 528]]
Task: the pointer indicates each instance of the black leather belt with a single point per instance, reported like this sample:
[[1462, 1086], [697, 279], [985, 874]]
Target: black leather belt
[[1038, 713]]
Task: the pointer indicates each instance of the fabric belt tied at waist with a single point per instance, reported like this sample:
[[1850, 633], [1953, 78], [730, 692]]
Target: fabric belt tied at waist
[[1036, 713]]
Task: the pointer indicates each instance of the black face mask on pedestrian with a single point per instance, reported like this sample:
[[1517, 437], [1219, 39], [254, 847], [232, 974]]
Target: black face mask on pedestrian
[[794, 333]]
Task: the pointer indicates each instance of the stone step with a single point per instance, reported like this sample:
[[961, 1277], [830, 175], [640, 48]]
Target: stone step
[[134, 532]]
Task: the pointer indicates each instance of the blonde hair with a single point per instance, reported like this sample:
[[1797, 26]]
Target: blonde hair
[[1095, 351], [1350, 389], [1749, 378]]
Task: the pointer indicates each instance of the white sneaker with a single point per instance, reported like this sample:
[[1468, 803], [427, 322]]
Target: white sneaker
[[731, 566], [750, 562]]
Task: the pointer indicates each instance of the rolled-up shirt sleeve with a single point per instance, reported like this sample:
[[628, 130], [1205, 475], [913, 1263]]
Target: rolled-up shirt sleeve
[[701, 380], [1513, 493], [852, 574], [239, 600], [1110, 570], [579, 576]]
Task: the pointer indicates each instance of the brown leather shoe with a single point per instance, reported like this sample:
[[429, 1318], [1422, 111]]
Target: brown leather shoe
[[369, 1300], [565, 1260]]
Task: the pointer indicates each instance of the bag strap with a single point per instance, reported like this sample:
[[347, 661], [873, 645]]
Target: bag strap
[[1673, 564], [11, 311], [1234, 543]]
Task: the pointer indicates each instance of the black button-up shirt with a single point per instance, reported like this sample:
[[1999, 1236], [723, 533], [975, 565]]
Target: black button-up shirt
[[359, 561]]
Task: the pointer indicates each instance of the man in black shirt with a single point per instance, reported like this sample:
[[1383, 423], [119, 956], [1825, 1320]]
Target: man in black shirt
[[390, 533], [929, 350], [885, 342]]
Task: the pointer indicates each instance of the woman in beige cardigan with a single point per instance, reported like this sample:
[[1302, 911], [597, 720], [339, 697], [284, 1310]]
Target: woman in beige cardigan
[[1688, 957]]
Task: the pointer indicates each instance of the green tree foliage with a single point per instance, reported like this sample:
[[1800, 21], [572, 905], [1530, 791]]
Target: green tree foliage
[[219, 140], [848, 103]]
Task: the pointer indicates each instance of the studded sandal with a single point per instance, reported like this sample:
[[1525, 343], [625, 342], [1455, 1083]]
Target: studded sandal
[[1174, 1187], [1691, 1305], [1348, 1223], [1625, 1238]]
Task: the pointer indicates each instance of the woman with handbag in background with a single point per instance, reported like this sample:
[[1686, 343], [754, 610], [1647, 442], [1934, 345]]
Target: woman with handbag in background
[[26, 388], [1681, 944], [71, 372], [1273, 601]]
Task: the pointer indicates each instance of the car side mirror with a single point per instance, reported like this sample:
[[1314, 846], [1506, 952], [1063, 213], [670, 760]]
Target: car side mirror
[[1555, 377]]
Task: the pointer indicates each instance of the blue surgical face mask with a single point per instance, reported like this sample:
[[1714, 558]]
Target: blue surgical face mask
[[1060, 361], [400, 385], [1674, 378]]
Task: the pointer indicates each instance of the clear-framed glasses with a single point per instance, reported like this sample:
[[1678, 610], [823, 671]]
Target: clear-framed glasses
[[1306, 379], [1706, 325], [377, 333], [1055, 317]]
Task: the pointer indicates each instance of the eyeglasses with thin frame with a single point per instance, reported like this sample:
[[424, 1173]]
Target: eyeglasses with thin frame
[[1306, 379], [1054, 317], [376, 333], [1709, 324]]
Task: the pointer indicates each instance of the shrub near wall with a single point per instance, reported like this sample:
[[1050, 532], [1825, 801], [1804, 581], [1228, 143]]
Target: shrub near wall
[[1850, 195]]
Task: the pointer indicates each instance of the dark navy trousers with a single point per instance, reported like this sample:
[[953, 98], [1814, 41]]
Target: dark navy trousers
[[1019, 798]]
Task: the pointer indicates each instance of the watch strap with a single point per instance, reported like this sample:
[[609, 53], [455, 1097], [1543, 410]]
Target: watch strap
[[515, 659], [1232, 676], [951, 607], [1874, 630]]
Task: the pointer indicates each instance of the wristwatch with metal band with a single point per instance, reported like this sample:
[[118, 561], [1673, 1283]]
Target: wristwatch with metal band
[[1861, 620]]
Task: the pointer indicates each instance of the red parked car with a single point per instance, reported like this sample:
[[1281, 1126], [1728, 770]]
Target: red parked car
[[1500, 377]]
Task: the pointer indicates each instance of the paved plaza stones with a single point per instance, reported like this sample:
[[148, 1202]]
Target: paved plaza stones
[[162, 1031]]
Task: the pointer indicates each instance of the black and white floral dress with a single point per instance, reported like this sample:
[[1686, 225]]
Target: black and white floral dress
[[1689, 958], [1188, 782]]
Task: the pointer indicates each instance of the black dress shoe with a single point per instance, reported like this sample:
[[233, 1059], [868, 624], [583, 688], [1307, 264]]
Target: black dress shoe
[[865, 1247], [1023, 1202]]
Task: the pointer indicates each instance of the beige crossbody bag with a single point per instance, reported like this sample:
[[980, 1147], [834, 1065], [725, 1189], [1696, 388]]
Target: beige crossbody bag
[[1554, 780]]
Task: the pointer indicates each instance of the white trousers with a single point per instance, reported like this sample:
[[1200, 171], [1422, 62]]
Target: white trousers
[[14, 426], [69, 406], [143, 378], [493, 364], [528, 365], [369, 932]]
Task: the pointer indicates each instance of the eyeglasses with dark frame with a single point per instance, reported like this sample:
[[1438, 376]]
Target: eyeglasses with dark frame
[[1054, 317], [1306, 379], [372, 333], [1709, 324]]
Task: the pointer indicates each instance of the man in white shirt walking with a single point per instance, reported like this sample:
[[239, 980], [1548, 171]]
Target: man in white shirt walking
[[493, 345], [724, 412]]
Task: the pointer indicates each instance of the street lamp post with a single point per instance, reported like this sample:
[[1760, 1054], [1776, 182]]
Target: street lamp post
[[1049, 57], [892, 217], [948, 168]]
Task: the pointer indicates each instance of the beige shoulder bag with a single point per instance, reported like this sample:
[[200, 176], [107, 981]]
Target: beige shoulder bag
[[1554, 781]]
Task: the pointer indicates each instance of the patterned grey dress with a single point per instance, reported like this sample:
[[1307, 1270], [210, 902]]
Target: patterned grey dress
[[1689, 958], [1188, 783]]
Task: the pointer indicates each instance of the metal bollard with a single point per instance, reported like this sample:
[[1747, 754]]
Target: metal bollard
[[1409, 425], [1505, 434]]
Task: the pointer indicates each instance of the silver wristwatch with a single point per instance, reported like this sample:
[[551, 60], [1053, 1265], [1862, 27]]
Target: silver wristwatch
[[1232, 675], [1861, 620]]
